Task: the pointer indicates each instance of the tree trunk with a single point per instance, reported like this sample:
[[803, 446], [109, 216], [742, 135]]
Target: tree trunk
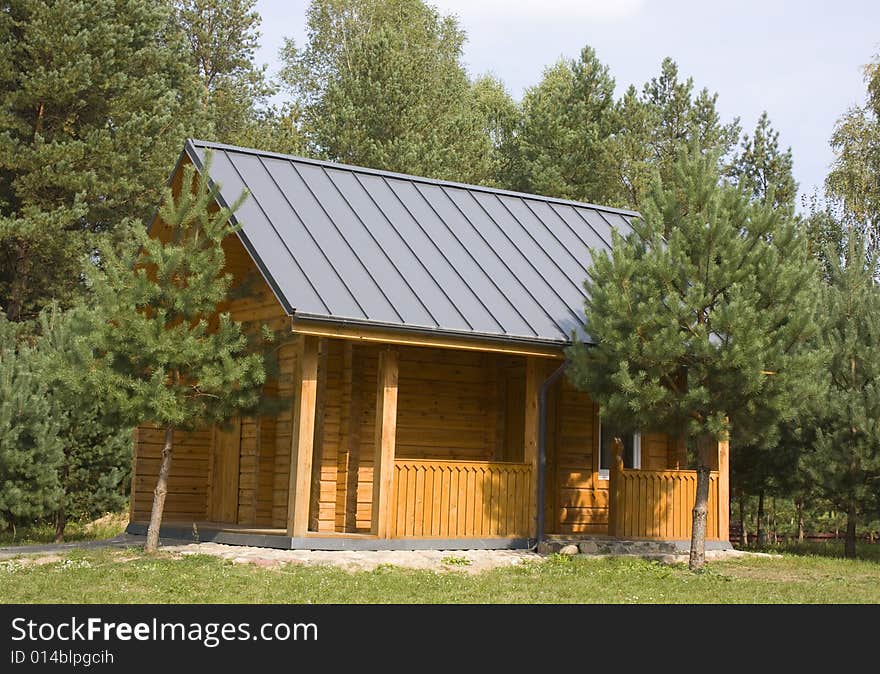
[[761, 524], [849, 547], [19, 287], [61, 513], [160, 492], [773, 521], [701, 506], [60, 523], [744, 534], [799, 506]]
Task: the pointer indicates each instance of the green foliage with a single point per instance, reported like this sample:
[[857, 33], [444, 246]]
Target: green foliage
[[96, 462], [65, 454], [854, 179], [766, 458], [30, 444], [222, 37], [844, 461], [165, 356], [274, 129], [702, 314], [655, 125], [826, 235], [97, 99], [558, 145], [380, 83], [771, 465], [499, 114], [762, 169], [572, 140]]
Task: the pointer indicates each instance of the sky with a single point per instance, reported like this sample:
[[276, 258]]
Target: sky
[[800, 61]]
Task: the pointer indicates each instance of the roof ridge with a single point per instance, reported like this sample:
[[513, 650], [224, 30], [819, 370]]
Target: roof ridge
[[405, 176]]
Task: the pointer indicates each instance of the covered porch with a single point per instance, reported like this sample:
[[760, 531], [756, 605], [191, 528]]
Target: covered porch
[[437, 447], [376, 446]]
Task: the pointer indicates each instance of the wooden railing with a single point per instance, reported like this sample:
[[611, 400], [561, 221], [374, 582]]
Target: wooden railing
[[658, 504], [460, 499]]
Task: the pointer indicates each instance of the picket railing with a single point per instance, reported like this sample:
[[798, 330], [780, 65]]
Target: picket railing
[[460, 499]]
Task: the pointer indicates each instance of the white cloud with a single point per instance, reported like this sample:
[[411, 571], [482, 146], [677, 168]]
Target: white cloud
[[536, 10]]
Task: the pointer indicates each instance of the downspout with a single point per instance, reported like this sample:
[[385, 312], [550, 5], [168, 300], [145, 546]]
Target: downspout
[[542, 445]]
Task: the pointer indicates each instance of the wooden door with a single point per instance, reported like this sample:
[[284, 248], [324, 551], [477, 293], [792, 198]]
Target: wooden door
[[224, 482]]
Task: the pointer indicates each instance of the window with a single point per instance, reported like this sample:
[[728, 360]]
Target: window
[[632, 449]]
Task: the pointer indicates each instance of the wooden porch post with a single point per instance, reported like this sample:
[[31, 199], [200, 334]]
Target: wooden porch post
[[386, 435], [305, 387], [615, 496], [534, 371], [317, 460], [724, 489]]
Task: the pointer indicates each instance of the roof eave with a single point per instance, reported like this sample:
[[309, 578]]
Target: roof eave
[[374, 331]]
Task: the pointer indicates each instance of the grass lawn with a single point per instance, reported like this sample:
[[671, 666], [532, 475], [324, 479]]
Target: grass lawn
[[117, 576]]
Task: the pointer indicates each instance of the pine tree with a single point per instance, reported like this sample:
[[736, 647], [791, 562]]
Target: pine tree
[[565, 122], [762, 169], [222, 38], [764, 173], [380, 83], [30, 448], [96, 444], [699, 317], [767, 461], [826, 234], [655, 125], [97, 99], [166, 355], [844, 461]]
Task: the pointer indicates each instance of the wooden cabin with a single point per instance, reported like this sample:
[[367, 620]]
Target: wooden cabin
[[428, 318]]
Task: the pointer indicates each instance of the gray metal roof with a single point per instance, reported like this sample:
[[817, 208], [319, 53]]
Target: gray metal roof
[[354, 245]]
